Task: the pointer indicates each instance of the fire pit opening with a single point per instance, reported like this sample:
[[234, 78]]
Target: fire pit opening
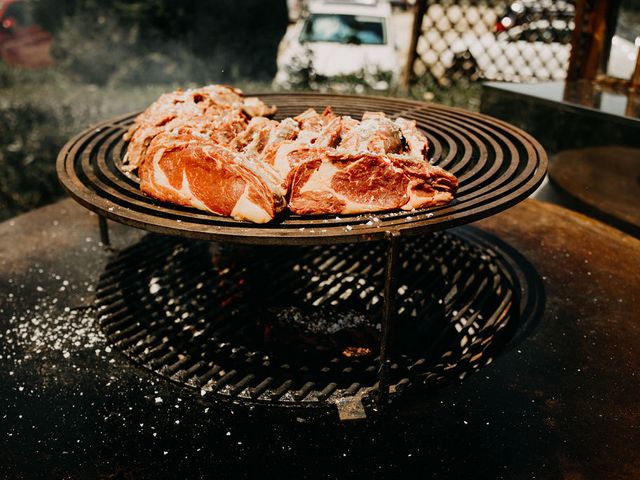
[[300, 326]]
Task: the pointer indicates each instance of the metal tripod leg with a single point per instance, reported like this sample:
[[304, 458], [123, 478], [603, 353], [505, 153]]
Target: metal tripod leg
[[386, 335], [104, 231]]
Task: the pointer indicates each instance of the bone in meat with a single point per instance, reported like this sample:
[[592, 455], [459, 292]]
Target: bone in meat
[[209, 177]]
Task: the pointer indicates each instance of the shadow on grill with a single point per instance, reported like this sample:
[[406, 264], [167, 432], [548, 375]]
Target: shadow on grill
[[300, 325]]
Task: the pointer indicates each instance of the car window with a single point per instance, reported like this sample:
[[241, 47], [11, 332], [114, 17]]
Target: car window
[[353, 29]]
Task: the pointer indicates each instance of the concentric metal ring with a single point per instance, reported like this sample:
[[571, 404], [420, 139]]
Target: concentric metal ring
[[198, 314], [497, 166]]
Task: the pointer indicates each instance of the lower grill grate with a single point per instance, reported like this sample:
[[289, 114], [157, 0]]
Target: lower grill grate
[[205, 314]]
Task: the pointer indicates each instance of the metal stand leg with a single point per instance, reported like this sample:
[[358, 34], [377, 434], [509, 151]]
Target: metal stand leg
[[386, 336], [104, 231]]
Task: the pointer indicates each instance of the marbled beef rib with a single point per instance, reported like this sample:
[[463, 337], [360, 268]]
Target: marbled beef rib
[[215, 150]]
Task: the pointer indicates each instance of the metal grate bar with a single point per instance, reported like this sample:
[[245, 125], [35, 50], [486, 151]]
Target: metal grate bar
[[203, 322]]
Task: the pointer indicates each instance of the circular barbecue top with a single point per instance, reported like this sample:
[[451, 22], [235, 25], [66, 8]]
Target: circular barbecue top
[[497, 166]]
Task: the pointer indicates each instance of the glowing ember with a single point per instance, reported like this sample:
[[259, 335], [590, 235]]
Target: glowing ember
[[356, 352]]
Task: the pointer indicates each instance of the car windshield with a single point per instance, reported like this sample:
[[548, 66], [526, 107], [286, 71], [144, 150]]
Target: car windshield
[[344, 29]]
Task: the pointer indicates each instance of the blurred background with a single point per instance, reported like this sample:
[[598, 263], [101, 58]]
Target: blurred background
[[65, 64]]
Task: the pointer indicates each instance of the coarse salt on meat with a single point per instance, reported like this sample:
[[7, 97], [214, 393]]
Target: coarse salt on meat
[[207, 176], [201, 148], [217, 111]]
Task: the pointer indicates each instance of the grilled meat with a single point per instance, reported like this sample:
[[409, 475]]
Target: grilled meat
[[201, 148]]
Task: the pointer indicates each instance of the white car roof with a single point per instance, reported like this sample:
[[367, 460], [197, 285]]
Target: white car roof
[[370, 8]]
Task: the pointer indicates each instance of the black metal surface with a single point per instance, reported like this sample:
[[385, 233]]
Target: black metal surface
[[104, 231], [195, 313], [560, 403], [391, 274], [497, 165]]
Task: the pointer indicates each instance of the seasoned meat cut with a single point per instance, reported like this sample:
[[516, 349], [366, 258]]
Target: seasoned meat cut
[[215, 150], [216, 112], [330, 182], [377, 164], [208, 176]]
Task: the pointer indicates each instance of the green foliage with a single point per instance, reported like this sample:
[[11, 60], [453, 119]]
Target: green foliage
[[28, 174], [462, 93], [40, 111], [166, 41], [116, 57], [134, 50], [104, 52]]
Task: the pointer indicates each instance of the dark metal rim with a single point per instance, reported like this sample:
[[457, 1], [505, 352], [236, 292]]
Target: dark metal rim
[[498, 164]]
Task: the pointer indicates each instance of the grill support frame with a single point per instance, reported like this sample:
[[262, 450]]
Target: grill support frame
[[381, 395], [386, 335], [103, 227], [392, 240], [87, 167]]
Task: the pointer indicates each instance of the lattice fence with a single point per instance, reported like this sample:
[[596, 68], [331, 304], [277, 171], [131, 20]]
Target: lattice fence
[[521, 41]]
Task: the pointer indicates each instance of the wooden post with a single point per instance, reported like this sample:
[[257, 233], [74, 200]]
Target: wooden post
[[594, 27], [419, 10], [577, 41], [635, 78]]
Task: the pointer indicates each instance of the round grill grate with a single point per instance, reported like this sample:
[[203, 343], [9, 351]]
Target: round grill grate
[[497, 164], [210, 316]]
